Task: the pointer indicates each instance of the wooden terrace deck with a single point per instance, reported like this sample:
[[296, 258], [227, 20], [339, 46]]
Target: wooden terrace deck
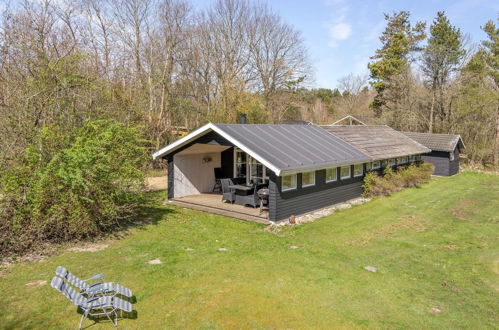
[[212, 203]]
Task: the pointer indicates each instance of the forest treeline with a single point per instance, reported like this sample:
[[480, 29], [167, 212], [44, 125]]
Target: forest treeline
[[163, 63], [89, 88]]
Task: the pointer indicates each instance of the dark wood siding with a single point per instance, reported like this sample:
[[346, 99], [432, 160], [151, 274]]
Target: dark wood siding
[[454, 165], [169, 160], [208, 138], [303, 200], [227, 163], [443, 165]]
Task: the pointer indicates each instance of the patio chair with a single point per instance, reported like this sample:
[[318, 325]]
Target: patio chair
[[253, 199], [227, 193], [91, 290], [94, 306]]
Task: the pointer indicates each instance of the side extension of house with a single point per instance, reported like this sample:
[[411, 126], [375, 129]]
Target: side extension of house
[[445, 151]]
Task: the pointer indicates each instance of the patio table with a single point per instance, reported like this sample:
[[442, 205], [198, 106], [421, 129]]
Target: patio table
[[241, 192], [240, 187]]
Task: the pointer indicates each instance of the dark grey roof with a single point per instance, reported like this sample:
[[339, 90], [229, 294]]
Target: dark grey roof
[[294, 147], [379, 142], [437, 142]]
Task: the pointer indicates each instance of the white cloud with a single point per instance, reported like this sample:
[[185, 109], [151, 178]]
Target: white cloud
[[337, 27], [340, 31]]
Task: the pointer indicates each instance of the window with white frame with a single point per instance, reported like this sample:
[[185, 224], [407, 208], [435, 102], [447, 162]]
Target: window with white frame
[[358, 170], [288, 182], [418, 157], [331, 174], [376, 164], [240, 163], [392, 161], [411, 158], [308, 179], [345, 172]]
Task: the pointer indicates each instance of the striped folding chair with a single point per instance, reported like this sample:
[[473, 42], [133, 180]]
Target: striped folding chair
[[92, 306], [100, 287]]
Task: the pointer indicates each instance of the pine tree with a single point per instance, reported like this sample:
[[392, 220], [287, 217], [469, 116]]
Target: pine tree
[[441, 57], [400, 41], [491, 59]]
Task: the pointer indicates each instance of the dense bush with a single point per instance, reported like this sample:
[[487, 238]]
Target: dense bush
[[392, 181], [65, 188]]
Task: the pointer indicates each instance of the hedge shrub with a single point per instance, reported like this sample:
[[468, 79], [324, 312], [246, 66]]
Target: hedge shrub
[[66, 188], [392, 181]]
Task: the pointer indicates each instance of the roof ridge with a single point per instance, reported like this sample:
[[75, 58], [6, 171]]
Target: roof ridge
[[380, 125], [448, 134]]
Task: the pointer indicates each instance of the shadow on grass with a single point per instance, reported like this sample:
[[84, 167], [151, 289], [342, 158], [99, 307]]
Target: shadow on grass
[[133, 315], [150, 213]]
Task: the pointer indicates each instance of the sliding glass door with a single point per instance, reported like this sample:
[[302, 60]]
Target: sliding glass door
[[247, 167], [257, 172]]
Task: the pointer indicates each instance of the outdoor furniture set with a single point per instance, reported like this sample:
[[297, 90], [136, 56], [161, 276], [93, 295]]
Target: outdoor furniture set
[[235, 190]]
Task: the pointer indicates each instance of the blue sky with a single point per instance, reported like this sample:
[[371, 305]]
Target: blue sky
[[341, 35]]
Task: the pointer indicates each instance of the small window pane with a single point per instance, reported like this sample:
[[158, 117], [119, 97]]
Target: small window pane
[[288, 182], [376, 164], [369, 166], [345, 172], [307, 179], [384, 163], [331, 174], [392, 162], [358, 170]]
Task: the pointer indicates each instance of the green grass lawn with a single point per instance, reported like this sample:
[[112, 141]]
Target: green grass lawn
[[434, 247]]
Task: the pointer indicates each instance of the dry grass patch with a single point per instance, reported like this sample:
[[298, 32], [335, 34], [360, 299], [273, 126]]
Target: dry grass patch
[[460, 209], [89, 248], [405, 222]]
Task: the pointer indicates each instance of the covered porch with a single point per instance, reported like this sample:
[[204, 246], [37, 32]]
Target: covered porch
[[204, 174]]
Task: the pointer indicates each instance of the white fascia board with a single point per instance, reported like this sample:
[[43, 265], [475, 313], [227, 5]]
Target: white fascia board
[[186, 139], [457, 142], [246, 149]]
